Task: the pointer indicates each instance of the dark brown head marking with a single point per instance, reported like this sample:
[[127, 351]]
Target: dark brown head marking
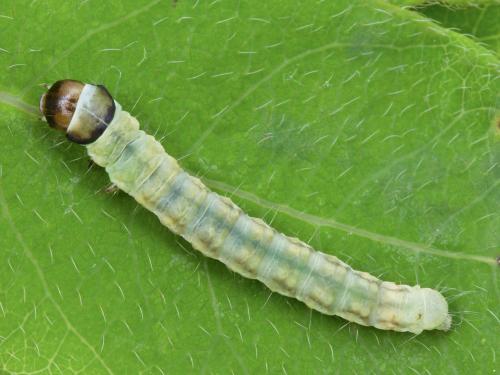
[[59, 102], [83, 111]]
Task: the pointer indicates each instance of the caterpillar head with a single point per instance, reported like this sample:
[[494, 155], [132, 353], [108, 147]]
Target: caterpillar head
[[81, 110]]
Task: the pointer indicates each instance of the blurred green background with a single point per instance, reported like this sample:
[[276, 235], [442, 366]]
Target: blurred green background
[[366, 129]]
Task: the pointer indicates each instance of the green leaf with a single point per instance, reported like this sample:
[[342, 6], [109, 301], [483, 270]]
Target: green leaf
[[453, 4], [481, 23], [359, 127]]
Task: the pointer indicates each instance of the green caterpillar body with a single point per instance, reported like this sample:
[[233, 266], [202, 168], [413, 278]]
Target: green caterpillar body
[[139, 165], [214, 225]]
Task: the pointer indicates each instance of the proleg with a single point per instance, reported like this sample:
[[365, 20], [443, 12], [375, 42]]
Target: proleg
[[214, 225]]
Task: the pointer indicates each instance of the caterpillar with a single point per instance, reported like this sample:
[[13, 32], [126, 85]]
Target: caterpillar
[[138, 164]]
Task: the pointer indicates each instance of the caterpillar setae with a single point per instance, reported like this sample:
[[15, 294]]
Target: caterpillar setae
[[138, 164]]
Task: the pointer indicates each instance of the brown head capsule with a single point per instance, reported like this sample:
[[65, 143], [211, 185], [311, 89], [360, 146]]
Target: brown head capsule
[[82, 110]]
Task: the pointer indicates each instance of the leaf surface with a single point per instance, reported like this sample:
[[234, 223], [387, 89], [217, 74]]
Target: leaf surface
[[359, 127], [480, 23]]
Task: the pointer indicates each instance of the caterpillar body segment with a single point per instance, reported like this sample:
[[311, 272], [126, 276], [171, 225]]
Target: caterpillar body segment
[[139, 165]]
